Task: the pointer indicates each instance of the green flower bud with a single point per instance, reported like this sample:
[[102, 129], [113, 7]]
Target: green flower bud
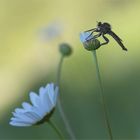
[[91, 44], [65, 49]]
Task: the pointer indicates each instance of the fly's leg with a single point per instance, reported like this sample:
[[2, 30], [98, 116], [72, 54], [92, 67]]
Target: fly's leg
[[93, 30], [106, 40], [96, 36], [90, 30], [89, 35]]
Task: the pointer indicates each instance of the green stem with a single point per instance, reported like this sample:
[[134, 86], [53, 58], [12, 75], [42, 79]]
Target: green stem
[[60, 107], [53, 125], [102, 96], [59, 70]]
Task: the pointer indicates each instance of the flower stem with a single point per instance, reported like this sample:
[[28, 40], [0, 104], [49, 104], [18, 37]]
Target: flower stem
[[53, 125], [60, 108], [59, 70], [102, 96]]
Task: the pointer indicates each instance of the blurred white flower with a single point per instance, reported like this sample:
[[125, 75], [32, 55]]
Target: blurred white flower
[[51, 32], [42, 107]]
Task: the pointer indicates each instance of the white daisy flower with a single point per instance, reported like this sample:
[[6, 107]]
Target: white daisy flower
[[90, 43], [40, 110]]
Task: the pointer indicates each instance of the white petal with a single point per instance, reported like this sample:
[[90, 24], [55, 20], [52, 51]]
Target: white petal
[[34, 116], [27, 106], [15, 114], [42, 90], [41, 110], [47, 97], [47, 103], [37, 102], [51, 91], [34, 99], [20, 110], [29, 117], [45, 100], [18, 124], [24, 117], [84, 36], [21, 120]]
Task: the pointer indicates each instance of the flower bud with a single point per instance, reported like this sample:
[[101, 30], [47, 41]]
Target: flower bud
[[65, 49], [92, 44], [89, 42]]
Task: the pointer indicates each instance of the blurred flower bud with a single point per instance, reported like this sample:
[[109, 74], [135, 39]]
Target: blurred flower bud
[[89, 42], [65, 49]]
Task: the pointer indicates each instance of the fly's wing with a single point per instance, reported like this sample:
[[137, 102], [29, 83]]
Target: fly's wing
[[119, 41]]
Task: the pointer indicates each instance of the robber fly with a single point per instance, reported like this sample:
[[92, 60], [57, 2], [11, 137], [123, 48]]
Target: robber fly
[[102, 29]]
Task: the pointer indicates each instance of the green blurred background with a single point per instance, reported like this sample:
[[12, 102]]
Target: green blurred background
[[27, 62]]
